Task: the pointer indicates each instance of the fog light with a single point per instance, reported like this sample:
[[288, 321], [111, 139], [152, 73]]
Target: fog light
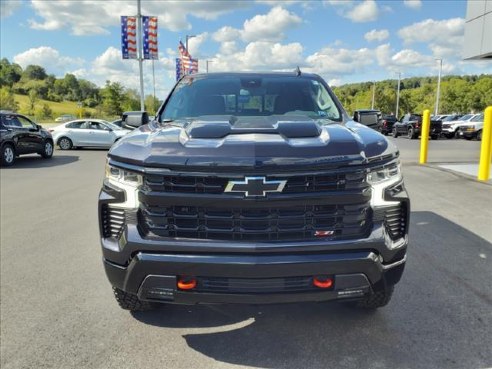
[[186, 283], [322, 281]]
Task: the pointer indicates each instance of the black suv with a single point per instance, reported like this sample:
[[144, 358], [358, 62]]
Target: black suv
[[19, 135], [411, 125], [252, 188]]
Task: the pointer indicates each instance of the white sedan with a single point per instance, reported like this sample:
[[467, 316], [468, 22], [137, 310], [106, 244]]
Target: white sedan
[[87, 133]]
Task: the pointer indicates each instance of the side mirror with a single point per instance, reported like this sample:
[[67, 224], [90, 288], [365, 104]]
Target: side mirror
[[134, 119], [110, 129], [39, 127], [356, 117]]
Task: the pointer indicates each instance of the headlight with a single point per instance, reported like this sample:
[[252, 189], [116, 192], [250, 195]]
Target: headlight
[[126, 181], [382, 178], [470, 128], [122, 176], [390, 173]]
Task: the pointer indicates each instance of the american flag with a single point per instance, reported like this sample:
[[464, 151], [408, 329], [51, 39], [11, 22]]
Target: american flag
[[129, 37], [187, 64], [150, 37]]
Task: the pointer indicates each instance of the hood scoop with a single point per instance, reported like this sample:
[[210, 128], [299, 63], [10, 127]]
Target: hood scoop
[[288, 127]]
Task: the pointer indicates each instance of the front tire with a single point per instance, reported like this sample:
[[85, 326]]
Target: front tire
[[479, 136], [376, 299], [395, 133], [411, 134], [65, 143], [434, 137], [8, 155], [128, 301], [47, 152]]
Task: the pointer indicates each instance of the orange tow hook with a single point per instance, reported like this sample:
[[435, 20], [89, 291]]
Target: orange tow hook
[[186, 283], [322, 281]]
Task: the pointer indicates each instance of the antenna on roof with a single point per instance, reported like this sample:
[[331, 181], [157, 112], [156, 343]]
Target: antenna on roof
[[297, 71]]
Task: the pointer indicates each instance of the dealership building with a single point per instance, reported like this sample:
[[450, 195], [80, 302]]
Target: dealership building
[[478, 30]]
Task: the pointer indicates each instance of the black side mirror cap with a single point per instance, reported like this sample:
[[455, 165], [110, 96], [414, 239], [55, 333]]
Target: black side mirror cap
[[356, 117], [39, 127], [134, 119]]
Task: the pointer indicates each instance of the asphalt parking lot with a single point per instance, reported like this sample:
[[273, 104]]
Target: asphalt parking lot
[[57, 310]]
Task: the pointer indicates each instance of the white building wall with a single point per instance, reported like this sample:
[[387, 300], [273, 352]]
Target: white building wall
[[478, 30]]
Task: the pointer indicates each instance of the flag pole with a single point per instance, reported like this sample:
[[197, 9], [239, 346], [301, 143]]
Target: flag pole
[[140, 56], [153, 82]]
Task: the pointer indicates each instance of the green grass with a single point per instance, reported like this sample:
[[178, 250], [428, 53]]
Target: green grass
[[58, 108]]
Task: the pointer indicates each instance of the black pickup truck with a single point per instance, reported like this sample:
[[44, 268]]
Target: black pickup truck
[[252, 188], [411, 125]]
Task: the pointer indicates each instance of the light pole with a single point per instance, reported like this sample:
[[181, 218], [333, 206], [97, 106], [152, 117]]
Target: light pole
[[398, 95], [436, 110], [208, 61], [373, 94], [187, 38], [140, 56]]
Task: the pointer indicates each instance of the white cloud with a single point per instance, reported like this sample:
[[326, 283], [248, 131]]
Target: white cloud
[[356, 11], [226, 33], [49, 58], [269, 26], [413, 4], [8, 7], [444, 37], [261, 55], [401, 60], [84, 17], [335, 62], [262, 27], [194, 44], [367, 11], [375, 35]]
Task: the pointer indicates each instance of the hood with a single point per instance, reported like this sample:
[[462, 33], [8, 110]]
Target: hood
[[251, 143]]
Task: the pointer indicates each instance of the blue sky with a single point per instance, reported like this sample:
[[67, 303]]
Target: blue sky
[[342, 40]]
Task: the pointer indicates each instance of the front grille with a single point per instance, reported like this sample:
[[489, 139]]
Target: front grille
[[215, 185], [254, 285], [252, 224], [113, 221], [395, 220]]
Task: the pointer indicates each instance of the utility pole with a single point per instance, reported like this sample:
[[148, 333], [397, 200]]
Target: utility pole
[[373, 94], [187, 38], [207, 62], [140, 56], [153, 82], [436, 110], [398, 95]]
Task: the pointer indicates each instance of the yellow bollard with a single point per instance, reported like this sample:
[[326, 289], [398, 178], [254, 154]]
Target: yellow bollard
[[424, 136], [485, 151]]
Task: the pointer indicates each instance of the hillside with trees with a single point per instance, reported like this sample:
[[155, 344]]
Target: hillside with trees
[[459, 94], [33, 92]]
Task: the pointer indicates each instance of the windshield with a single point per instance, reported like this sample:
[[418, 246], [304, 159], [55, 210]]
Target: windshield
[[478, 118], [250, 96], [466, 117]]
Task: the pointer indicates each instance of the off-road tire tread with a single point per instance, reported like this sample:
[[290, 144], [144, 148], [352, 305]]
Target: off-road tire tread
[[128, 301], [377, 299]]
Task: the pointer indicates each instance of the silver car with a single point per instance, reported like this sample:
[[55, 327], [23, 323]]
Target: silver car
[[87, 133]]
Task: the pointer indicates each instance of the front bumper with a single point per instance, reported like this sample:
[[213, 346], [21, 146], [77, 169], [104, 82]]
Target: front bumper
[[150, 267], [153, 277]]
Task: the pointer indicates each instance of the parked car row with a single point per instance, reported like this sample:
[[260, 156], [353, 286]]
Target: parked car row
[[19, 135], [468, 126]]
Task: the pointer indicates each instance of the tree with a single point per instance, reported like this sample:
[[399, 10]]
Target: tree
[[34, 72], [9, 73], [151, 104], [7, 100], [112, 95], [33, 99], [46, 111]]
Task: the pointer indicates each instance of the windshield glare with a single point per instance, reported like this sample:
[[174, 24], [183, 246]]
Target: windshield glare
[[250, 96]]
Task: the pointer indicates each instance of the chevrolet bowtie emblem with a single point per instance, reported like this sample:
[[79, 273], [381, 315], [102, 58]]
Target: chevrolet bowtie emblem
[[255, 186]]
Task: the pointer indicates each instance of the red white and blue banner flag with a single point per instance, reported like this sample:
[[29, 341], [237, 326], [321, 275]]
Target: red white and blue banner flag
[[185, 64], [129, 37], [150, 50]]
